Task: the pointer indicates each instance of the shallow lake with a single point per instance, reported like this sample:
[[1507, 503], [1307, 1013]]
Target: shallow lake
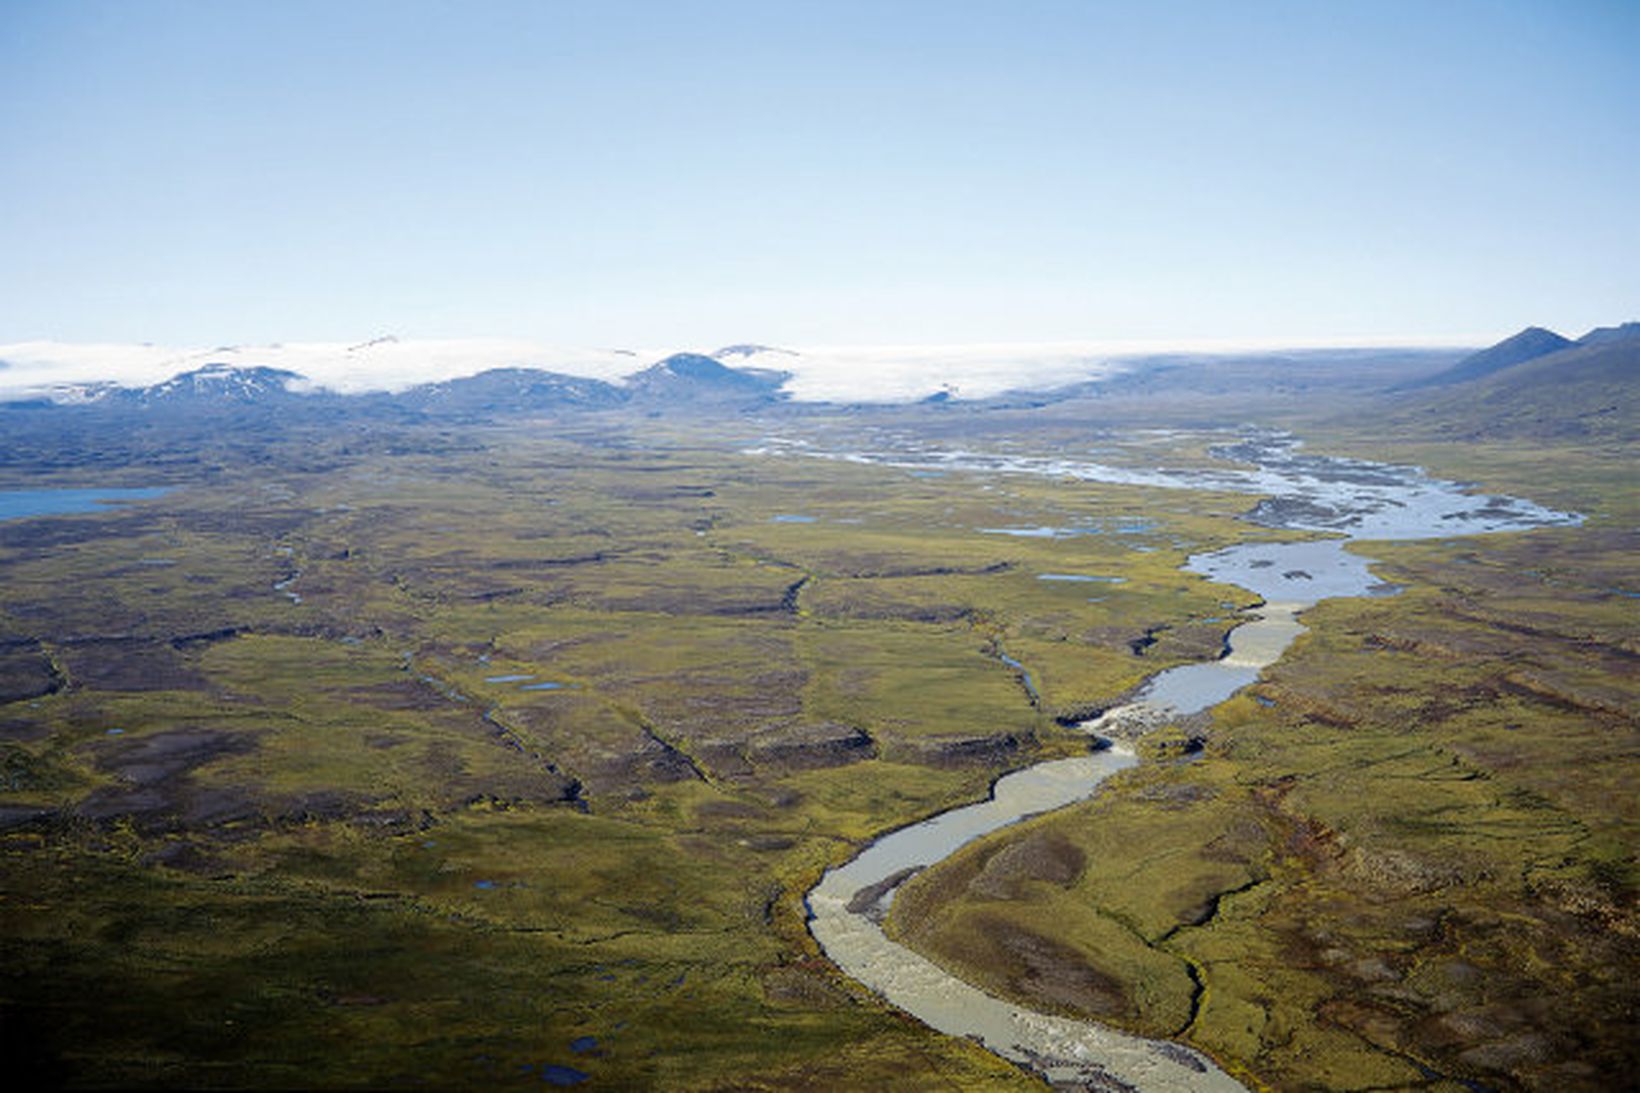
[[16, 504]]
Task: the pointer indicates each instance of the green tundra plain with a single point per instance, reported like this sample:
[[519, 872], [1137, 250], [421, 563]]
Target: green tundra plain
[[418, 755]]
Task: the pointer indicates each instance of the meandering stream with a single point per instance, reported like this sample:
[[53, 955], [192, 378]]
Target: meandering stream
[[1354, 499]]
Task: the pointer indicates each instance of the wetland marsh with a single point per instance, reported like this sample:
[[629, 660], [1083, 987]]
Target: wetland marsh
[[294, 787], [820, 548], [850, 903]]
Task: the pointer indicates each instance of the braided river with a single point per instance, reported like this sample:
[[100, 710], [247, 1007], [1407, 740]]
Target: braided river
[[1347, 501]]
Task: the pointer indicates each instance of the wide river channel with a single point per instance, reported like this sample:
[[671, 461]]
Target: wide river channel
[[1352, 499]]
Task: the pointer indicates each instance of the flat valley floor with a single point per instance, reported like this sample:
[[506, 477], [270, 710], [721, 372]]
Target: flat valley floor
[[423, 755]]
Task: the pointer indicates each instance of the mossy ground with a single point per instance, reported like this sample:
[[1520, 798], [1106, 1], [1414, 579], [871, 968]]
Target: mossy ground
[[274, 817], [1406, 858]]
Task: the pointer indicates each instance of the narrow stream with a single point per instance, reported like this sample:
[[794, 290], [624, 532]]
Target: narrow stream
[[1353, 499]]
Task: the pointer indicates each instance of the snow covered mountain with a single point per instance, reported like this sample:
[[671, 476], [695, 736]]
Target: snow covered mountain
[[431, 375], [69, 373], [695, 378], [212, 385], [510, 390]]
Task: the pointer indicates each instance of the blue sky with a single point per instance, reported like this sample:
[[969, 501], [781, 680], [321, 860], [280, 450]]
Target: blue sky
[[691, 174]]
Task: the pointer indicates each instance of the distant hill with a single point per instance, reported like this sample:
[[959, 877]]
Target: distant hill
[[1536, 382], [682, 382], [1606, 334], [747, 350], [214, 385], [1529, 344], [511, 390], [693, 379], [1580, 391]]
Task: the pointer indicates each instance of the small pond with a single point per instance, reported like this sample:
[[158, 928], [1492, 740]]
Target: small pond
[[16, 504]]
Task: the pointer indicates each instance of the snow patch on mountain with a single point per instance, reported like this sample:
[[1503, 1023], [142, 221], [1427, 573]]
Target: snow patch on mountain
[[70, 372], [55, 369]]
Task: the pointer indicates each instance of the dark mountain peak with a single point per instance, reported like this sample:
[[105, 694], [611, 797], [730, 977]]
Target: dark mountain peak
[[218, 384], [1604, 335], [1529, 344], [751, 349], [221, 370], [1582, 391], [499, 390], [385, 339], [1533, 335], [516, 379], [693, 377], [691, 366], [1534, 341]]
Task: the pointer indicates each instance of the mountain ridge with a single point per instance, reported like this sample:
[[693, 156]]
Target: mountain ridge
[[1601, 335], [1528, 344], [681, 380], [1535, 379], [697, 378], [1584, 390]]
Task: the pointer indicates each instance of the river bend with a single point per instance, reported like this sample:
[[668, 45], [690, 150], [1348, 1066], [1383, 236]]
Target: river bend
[[1351, 499]]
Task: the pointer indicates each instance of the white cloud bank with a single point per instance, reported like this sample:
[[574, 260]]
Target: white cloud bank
[[863, 373]]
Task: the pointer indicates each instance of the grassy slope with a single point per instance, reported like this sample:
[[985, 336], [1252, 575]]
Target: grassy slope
[[1580, 393]]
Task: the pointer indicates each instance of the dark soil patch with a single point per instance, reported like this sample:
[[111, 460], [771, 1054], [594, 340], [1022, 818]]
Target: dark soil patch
[[808, 746], [398, 694], [157, 793], [26, 672], [23, 729], [1055, 973], [1042, 856], [13, 817], [609, 754], [962, 751], [128, 664]]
